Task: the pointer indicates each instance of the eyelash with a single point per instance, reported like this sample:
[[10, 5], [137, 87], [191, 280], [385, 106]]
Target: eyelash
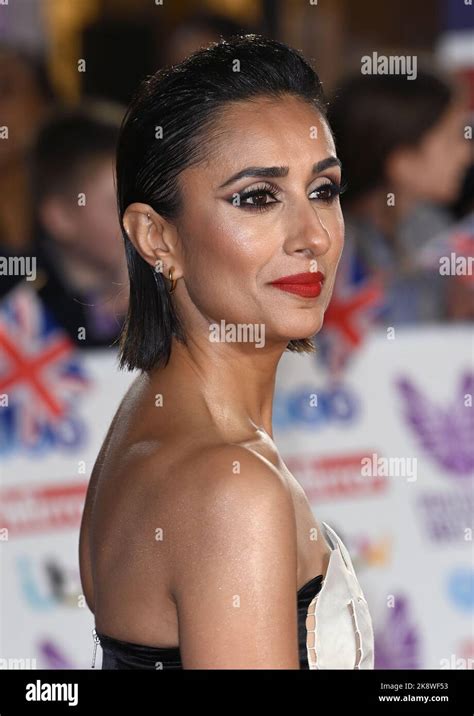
[[336, 190]]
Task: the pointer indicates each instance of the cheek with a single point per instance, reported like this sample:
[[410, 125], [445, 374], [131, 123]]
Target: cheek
[[223, 257], [100, 217], [221, 247], [418, 180], [336, 232], [333, 257], [438, 167], [87, 225], [437, 180]]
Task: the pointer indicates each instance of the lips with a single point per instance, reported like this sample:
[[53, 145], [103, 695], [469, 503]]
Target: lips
[[307, 284]]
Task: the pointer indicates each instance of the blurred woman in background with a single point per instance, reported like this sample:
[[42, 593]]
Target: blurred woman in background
[[404, 151]]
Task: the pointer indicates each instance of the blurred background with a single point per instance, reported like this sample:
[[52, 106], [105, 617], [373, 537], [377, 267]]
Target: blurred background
[[377, 425]]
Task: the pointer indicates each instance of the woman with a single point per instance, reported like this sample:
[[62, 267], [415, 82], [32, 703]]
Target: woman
[[412, 167], [198, 548]]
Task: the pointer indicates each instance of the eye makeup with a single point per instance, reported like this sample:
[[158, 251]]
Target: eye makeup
[[330, 189]]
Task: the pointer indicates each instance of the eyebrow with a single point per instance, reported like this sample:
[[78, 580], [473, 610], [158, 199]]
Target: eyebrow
[[275, 172]]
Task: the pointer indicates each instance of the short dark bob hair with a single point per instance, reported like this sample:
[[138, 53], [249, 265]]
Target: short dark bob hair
[[180, 104]]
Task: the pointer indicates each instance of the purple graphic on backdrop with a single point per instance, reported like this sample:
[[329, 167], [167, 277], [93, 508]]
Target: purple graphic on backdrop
[[445, 432], [446, 515], [53, 656], [397, 642]]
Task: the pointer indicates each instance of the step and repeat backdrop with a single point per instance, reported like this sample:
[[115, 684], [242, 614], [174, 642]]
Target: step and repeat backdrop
[[384, 450]]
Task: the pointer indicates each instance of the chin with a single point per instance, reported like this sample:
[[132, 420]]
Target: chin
[[314, 326], [308, 330]]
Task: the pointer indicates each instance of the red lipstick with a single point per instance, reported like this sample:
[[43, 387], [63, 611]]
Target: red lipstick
[[307, 284]]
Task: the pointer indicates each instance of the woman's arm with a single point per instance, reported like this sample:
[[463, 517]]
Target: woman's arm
[[235, 565], [84, 532]]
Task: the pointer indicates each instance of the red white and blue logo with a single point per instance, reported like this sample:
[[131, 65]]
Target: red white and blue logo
[[41, 378]]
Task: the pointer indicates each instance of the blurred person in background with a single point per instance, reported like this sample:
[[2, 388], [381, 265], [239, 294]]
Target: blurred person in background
[[81, 268], [26, 97], [402, 146], [197, 31]]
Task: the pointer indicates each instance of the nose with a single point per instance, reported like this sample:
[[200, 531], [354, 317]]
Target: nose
[[308, 233]]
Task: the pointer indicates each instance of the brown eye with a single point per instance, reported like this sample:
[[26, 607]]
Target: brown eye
[[255, 199], [328, 192]]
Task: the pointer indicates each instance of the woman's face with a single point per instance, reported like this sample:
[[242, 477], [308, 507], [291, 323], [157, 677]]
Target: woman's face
[[241, 234]]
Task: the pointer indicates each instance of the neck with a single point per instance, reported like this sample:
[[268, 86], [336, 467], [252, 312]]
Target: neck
[[231, 383]]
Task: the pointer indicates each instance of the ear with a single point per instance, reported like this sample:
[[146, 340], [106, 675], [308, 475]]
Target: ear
[[154, 238]]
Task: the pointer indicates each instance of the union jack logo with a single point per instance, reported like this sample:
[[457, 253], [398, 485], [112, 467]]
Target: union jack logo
[[39, 372], [348, 319]]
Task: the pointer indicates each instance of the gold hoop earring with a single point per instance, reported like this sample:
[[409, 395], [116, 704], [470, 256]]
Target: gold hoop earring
[[173, 281]]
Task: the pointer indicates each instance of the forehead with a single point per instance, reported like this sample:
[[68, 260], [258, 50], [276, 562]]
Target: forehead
[[280, 131]]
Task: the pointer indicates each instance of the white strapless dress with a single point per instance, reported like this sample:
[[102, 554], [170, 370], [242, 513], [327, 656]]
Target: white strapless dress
[[338, 624]]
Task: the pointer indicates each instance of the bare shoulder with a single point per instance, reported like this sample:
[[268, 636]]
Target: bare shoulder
[[231, 479], [232, 460], [235, 563]]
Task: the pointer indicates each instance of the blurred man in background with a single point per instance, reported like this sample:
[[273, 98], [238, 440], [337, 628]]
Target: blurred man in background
[[81, 269]]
